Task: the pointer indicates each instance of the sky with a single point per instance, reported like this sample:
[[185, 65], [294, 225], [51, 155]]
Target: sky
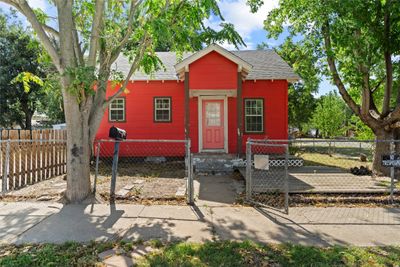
[[248, 25]]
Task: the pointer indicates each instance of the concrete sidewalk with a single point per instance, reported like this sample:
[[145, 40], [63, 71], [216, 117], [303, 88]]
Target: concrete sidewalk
[[53, 222]]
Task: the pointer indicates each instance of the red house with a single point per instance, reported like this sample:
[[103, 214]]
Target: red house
[[215, 97]]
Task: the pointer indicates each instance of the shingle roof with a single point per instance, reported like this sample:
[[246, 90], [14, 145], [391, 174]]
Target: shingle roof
[[267, 65]]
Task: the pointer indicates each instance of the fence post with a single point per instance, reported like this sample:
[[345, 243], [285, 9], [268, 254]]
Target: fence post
[[6, 169], [392, 152], [97, 168], [286, 179], [114, 171], [189, 161], [248, 170]]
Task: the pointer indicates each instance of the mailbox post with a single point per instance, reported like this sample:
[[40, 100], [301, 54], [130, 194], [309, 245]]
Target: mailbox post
[[117, 134]]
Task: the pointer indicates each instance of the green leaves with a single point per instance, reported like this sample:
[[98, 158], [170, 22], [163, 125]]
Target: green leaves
[[330, 116], [361, 41], [26, 78], [83, 80]]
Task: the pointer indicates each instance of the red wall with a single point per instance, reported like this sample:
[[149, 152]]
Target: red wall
[[212, 71], [139, 122], [275, 95]]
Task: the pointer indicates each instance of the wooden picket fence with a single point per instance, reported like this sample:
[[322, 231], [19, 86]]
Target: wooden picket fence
[[28, 157]]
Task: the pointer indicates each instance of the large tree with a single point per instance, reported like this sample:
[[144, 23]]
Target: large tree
[[19, 59], [85, 37], [301, 94], [359, 42]]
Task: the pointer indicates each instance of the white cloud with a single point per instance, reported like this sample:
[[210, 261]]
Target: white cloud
[[238, 13]]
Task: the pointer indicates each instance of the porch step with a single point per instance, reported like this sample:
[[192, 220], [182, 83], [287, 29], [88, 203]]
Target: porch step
[[216, 163]]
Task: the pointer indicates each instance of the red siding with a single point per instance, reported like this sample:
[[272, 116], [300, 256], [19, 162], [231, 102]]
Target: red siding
[[275, 95], [139, 122], [213, 71]]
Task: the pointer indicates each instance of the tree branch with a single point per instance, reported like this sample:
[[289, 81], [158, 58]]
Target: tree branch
[[51, 30], [388, 61], [133, 68], [115, 53], [377, 86], [94, 38], [77, 46], [23, 7], [332, 67]]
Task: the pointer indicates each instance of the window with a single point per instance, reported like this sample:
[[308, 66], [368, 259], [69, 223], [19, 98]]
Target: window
[[162, 109], [117, 110], [254, 115]]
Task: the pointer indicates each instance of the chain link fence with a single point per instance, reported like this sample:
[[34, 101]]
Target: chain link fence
[[320, 166], [267, 175], [147, 170]]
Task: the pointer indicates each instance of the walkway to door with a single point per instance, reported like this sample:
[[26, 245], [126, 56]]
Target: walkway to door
[[217, 190]]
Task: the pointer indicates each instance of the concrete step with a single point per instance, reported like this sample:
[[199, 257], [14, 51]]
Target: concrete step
[[216, 164]]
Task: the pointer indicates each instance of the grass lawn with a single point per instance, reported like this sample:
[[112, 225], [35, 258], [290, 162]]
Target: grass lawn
[[207, 254]]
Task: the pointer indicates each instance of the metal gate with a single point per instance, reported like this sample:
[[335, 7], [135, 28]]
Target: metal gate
[[267, 175]]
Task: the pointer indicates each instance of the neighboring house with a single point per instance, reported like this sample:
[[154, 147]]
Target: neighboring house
[[215, 97], [60, 126]]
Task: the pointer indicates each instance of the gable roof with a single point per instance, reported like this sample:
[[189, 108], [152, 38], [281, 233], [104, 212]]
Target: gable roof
[[214, 47], [266, 65]]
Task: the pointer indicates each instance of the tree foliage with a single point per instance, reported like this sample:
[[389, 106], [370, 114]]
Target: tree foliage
[[358, 44], [330, 116], [21, 74], [301, 94]]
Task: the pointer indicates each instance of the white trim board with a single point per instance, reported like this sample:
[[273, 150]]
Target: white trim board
[[212, 92], [200, 122]]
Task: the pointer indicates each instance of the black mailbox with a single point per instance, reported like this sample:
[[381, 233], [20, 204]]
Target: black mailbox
[[117, 133]]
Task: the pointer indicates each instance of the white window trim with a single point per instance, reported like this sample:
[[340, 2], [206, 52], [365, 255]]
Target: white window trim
[[110, 109], [253, 115], [156, 109]]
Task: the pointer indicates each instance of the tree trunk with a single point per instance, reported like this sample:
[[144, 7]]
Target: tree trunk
[[78, 150], [28, 121], [382, 147]]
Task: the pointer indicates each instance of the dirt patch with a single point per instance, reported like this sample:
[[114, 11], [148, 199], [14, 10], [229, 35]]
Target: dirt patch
[[143, 190], [344, 200]]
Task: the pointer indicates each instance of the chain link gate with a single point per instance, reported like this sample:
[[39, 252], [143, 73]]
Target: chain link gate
[[267, 175]]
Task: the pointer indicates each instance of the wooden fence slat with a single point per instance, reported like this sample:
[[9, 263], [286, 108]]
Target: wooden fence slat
[[50, 154], [29, 172], [34, 158], [22, 149], [58, 154], [12, 165]]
